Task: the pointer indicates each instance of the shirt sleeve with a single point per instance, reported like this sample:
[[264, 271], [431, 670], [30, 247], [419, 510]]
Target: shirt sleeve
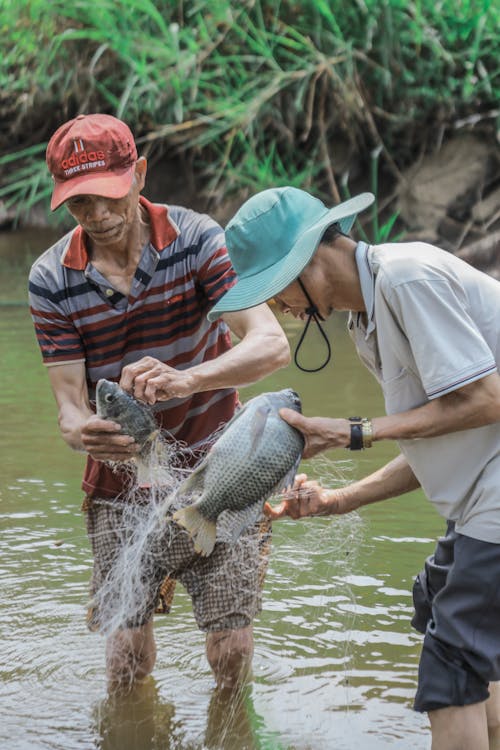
[[57, 337], [447, 346], [217, 275], [214, 272]]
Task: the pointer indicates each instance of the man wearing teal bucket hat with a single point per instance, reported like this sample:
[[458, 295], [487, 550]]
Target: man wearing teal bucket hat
[[271, 240], [427, 325]]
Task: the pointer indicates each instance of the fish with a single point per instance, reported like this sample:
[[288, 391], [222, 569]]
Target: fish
[[135, 418], [255, 456]]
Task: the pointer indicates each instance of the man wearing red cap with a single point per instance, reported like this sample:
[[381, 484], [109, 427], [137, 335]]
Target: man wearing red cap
[[124, 296]]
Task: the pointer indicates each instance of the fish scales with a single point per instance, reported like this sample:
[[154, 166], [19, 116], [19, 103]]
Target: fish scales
[[236, 489], [256, 454]]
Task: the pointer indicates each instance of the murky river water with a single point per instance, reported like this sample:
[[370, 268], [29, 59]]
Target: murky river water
[[335, 657]]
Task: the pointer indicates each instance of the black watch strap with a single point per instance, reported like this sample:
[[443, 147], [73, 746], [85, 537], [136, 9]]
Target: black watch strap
[[356, 443]]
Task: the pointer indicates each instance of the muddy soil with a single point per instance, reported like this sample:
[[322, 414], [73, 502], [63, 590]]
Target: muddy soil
[[452, 199]]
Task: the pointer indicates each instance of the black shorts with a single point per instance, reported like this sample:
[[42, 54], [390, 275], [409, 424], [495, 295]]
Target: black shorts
[[457, 606]]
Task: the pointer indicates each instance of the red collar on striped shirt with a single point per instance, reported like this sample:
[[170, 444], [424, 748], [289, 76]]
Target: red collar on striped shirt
[[163, 233]]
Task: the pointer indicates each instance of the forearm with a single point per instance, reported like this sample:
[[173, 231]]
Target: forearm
[[71, 420], [308, 498], [69, 387], [262, 348], [258, 354], [394, 479], [473, 406]]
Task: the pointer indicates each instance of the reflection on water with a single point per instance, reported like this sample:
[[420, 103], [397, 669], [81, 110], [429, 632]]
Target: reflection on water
[[142, 719], [335, 658]]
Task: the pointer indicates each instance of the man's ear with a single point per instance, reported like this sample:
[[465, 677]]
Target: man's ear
[[141, 168]]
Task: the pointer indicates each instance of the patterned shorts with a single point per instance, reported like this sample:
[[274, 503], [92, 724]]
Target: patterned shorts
[[139, 556]]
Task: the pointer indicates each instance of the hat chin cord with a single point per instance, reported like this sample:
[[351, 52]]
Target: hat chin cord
[[313, 314]]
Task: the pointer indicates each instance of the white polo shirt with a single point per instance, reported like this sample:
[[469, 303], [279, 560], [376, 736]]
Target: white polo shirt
[[432, 326]]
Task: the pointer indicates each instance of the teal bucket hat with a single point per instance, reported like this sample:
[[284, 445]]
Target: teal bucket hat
[[272, 238]]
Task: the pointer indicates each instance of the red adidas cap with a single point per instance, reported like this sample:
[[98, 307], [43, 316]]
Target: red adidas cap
[[91, 155]]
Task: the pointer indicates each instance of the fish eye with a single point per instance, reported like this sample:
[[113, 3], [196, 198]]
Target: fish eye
[[108, 397]]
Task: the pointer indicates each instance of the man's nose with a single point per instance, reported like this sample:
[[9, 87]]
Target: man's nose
[[97, 209]]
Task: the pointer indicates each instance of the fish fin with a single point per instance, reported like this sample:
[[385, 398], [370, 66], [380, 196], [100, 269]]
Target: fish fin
[[258, 426], [216, 434], [202, 530], [237, 414], [149, 446], [143, 477], [232, 523], [287, 481], [194, 482]]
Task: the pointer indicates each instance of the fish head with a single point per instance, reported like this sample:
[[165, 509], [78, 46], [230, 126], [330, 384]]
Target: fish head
[[110, 399], [287, 398], [135, 418], [275, 400], [292, 399]]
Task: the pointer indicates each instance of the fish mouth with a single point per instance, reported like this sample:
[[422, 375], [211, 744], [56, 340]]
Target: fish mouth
[[294, 396], [100, 385]]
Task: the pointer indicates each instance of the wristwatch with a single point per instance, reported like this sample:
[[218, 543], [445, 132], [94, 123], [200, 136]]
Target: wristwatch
[[361, 433]]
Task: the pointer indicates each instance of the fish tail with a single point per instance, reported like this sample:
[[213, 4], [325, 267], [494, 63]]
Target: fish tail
[[144, 478], [202, 530]]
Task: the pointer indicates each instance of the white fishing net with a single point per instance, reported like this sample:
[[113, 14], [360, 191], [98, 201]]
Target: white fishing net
[[139, 546], [152, 546], [138, 535]]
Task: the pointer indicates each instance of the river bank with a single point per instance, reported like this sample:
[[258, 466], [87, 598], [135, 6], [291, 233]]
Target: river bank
[[226, 99], [450, 197]]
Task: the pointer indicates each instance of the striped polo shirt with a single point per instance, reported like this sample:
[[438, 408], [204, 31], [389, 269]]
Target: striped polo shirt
[[80, 317]]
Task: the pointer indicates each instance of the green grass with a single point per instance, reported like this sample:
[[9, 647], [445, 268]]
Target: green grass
[[255, 93]]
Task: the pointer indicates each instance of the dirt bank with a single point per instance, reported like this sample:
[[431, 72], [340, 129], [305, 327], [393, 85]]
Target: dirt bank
[[452, 199]]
